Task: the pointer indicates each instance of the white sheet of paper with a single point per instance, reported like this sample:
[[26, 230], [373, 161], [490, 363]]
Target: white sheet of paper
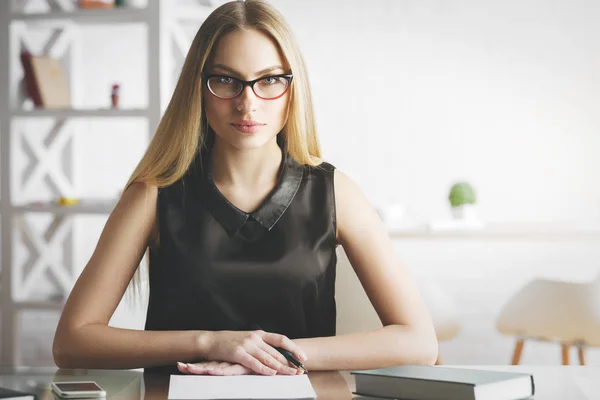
[[199, 387]]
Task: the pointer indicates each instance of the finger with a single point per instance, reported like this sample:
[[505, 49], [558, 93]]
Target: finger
[[279, 362], [249, 361], [205, 364], [224, 364], [259, 336], [218, 367], [182, 367], [270, 361], [202, 368], [274, 353], [282, 341], [233, 369]]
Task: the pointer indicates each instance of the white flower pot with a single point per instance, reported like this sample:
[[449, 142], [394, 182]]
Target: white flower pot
[[466, 212]]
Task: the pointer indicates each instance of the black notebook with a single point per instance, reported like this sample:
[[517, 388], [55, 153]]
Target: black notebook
[[10, 394], [419, 382]]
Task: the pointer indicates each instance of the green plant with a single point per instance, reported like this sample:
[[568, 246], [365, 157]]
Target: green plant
[[461, 193]]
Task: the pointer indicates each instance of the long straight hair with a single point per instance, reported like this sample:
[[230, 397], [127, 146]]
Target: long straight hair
[[183, 129]]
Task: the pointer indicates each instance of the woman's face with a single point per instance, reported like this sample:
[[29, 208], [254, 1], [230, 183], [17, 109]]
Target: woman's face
[[246, 55]]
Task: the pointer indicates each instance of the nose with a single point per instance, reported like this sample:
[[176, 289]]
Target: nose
[[246, 101]]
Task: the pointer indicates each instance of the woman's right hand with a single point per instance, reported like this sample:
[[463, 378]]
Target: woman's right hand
[[254, 350]]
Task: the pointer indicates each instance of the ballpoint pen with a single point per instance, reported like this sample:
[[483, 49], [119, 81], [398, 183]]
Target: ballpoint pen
[[287, 354], [290, 357]]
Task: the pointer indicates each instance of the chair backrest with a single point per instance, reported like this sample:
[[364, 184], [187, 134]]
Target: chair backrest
[[356, 314], [596, 281], [354, 310]]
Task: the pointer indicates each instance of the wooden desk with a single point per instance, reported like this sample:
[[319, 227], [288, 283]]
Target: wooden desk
[[552, 382]]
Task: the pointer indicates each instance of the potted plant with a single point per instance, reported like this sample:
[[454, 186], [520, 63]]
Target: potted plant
[[462, 201]]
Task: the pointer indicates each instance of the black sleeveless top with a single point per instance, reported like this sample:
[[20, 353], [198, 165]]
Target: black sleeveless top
[[219, 268]]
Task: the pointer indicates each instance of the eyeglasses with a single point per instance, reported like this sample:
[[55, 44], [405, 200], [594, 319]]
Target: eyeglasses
[[267, 88]]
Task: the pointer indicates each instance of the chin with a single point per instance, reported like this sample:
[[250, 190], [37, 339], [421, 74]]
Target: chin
[[249, 142]]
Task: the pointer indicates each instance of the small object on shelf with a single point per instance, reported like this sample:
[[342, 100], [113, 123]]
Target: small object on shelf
[[68, 201], [114, 95], [96, 4], [463, 201], [46, 81], [121, 3]]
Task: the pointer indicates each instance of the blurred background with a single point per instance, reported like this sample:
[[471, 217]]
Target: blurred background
[[472, 126]]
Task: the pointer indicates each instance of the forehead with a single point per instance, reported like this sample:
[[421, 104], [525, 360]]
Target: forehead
[[247, 51]]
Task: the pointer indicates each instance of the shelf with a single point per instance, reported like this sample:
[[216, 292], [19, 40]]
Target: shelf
[[85, 16], [500, 231], [81, 113], [193, 13], [85, 207], [38, 305]]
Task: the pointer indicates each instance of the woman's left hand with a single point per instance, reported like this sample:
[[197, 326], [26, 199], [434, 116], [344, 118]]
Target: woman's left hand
[[214, 368]]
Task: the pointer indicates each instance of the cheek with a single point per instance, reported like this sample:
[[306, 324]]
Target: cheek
[[216, 109], [279, 109]]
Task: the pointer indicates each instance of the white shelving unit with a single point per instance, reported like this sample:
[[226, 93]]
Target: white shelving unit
[[166, 42], [64, 114], [101, 16], [100, 208]]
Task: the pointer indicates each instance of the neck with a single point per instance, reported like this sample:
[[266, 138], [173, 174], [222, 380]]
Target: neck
[[247, 167]]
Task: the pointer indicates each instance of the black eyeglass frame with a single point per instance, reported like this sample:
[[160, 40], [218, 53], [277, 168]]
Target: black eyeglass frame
[[288, 77]]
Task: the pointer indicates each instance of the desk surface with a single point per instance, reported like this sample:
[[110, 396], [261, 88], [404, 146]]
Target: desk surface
[[552, 382]]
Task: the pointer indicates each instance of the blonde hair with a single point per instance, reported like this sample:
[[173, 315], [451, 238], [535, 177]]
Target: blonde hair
[[183, 129]]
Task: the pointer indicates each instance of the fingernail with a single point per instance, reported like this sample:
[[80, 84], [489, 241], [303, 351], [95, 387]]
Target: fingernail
[[190, 366], [303, 357], [180, 364]]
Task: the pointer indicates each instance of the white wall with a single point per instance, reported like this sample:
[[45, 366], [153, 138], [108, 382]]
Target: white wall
[[504, 94], [412, 96]]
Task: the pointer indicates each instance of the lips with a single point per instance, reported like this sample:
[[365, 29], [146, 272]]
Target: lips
[[247, 123], [248, 126]]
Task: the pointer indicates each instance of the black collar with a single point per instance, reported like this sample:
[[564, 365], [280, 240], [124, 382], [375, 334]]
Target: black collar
[[268, 212]]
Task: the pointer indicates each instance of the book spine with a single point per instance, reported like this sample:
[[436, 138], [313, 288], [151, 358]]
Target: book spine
[[33, 90]]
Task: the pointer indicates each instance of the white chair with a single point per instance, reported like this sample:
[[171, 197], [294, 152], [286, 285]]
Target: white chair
[[547, 310], [355, 312]]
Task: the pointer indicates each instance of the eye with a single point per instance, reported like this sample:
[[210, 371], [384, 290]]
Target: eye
[[224, 79], [270, 80]]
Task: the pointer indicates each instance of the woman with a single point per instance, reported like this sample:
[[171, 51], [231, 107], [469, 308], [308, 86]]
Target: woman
[[242, 219]]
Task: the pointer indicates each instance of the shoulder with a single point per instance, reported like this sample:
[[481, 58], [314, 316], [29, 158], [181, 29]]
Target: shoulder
[[343, 185], [347, 192], [351, 206], [135, 211], [325, 166], [353, 209], [324, 169], [139, 193], [138, 199]]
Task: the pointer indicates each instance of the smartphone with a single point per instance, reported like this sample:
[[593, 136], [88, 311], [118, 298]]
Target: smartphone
[[80, 389]]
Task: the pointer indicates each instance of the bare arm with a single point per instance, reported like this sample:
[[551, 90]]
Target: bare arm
[[407, 336], [83, 338]]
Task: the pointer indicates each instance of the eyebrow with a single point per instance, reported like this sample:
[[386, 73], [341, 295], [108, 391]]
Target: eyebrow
[[261, 72]]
